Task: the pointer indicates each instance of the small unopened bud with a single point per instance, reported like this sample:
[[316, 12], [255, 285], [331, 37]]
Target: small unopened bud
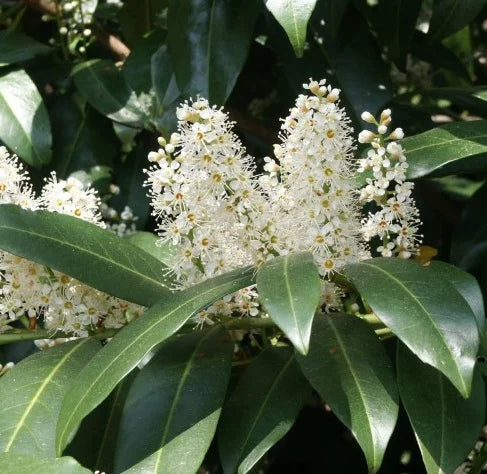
[[365, 136], [397, 134], [161, 141], [82, 50], [45, 18], [382, 129], [154, 156], [333, 95], [367, 117], [386, 114], [175, 137], [87, 32], [170, 148], [63, 30]]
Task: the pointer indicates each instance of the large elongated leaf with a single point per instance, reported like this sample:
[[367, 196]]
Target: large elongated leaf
[[467, 285], [191, 370], [425, 311], [208, 42], [12, 463], [350, 369], [16, 47], [106, 89], [460, 145], [446, 425], [84, 251], [450, 16], [290, 289], [24, 123], [261, 410], [32, 393], [293, 16], [129, 346]]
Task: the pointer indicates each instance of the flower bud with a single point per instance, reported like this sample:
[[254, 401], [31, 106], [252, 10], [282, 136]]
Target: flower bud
[[63, 30], [333, 95], [382, 129], [385, 115], [367, 117], [366, 136], [397, 134], [87, 32], [161, 141]]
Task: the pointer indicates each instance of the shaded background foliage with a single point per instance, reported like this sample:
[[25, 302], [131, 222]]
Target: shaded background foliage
[[96, 116]]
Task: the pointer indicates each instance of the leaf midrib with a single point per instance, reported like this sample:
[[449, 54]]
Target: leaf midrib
[[39, 391], [446, 142], [290, 298], [431, 320], [134, 341]]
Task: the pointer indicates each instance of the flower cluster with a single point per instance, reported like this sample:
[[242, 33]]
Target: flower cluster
[[36, 291], [220, 215], [73, 18], [396, 221]]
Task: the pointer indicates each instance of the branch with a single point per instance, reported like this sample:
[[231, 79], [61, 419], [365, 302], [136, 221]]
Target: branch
[[110, 42]]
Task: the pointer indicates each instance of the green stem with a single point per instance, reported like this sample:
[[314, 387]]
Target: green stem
[[370, 318], [18, 335], [479, 461], [383, 332]]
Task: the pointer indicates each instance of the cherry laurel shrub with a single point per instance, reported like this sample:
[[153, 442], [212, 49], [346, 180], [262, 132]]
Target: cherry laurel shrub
[[177, 299]]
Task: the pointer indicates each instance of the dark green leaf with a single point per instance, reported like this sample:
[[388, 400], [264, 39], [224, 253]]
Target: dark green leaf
[[82, 138], [162, 75], [293, 16], [424, 311], [446, 425], [95, 256], [157, 430], [208, 42], [290, 290], [333, 11], [150, 243], [138, 17], [105, 88], [32, 393], [472, 98], [450, 16], [137, 67], [11, 463], [129, 346], [461, 144], [24, 123], [17, 47], [95, 441], [350, 369], [466, 284], [261, 410]]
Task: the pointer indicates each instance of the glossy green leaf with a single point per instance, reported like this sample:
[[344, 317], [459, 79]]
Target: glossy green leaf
[[24, 123], [472, 98], [450, 16], [261, 410], [350, 369], [129, 346], [32, 393], [466, 284], [105, 88], [445, 424], [150, 243], [162, 74], [453, 147], [12, 463], [208, 42], [290, 290], [95, 441], [191, 370], [16, 47], [333, 11], [293, 16], [83, 251], [424, 311], [82, 137]]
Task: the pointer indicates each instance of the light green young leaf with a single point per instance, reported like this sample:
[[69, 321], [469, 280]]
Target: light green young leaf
[[157, 429], [425, 311], [445, 424], [290, 289], [24, 123], [32, 393], [293, 16], [261, 409], [84, 251], [128, 347], [350, 369]]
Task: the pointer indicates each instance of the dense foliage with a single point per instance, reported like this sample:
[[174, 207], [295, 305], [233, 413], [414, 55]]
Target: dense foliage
[[181, 293]]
